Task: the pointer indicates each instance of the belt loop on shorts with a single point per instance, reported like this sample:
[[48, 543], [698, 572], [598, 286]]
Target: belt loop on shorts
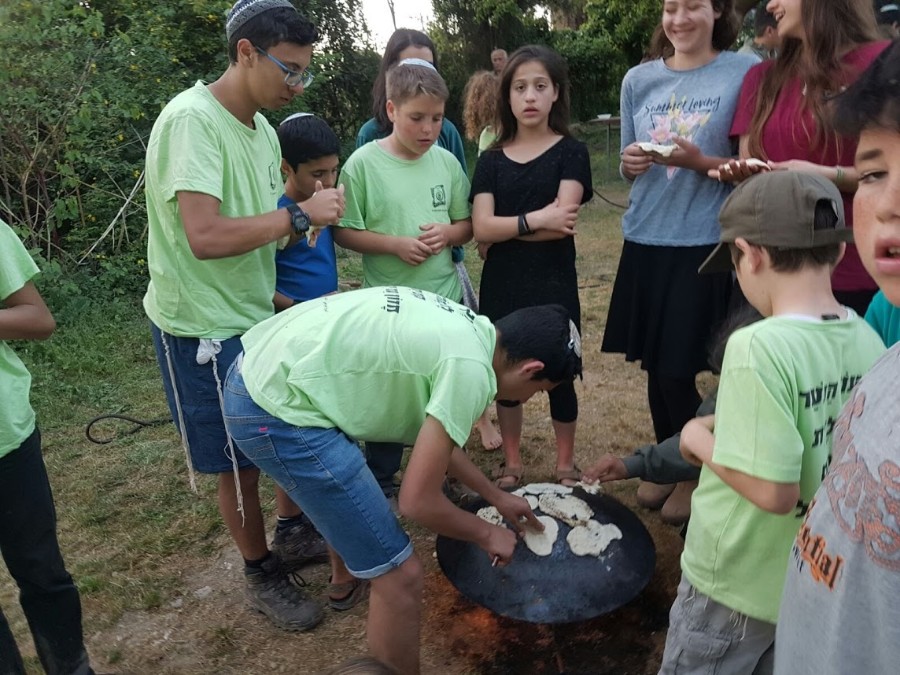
[[181, 430], [239, 363]]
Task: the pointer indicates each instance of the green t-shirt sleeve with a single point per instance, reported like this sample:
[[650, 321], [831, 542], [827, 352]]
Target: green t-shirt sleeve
[[461, 391], [354, 197], [189, 156], [756, 431], [16, 266]]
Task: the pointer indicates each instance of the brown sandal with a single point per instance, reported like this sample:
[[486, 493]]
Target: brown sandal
[[507, 477], [572, 475]]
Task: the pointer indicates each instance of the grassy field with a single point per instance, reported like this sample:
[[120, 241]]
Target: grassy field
[[161, 582]]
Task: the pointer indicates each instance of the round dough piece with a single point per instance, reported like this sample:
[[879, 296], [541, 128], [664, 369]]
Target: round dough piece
[[541, 543], [592, 538], [544, 488]]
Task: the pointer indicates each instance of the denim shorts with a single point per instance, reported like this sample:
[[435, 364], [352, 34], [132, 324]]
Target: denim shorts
[[325, 474], [198, 397]]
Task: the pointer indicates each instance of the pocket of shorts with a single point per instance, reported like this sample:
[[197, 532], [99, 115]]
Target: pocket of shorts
[[700, 651], [257, 448]]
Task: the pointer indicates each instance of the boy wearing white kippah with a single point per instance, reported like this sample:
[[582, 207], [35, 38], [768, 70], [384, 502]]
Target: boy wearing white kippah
[[212, 188]]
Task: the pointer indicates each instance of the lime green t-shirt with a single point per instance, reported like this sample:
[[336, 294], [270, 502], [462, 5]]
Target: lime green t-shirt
[[373, 363], [198, 146], [784, 381], [16, 415], [395, 196]]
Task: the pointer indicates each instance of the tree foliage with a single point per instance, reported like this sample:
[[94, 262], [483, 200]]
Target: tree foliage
[[80, 87]]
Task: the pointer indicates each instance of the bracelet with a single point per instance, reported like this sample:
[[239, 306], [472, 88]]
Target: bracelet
[[523, 226], [839, 176]]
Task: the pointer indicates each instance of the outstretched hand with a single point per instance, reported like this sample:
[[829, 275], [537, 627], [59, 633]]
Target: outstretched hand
[[609, 467]]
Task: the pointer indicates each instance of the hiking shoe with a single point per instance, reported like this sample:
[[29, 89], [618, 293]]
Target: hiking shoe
[[349, 594], [299, 545], [269, 591]]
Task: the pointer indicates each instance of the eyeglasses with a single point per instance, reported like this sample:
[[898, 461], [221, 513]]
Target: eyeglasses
[[291, 77]]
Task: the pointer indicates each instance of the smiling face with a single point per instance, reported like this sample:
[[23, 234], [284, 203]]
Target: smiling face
[[689, 25], [788, 14], [532, 94], [417, 124], [876, 208]]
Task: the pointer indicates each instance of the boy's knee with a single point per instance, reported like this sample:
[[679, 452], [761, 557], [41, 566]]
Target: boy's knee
[[406, 580]]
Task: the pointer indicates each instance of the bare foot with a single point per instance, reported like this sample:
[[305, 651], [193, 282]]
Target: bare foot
[[490, 436]]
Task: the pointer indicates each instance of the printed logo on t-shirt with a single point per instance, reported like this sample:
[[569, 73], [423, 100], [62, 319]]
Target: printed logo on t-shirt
[[438, 196], [273, 177]]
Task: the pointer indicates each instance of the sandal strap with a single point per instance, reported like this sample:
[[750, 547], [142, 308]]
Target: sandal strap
[[504, 471]]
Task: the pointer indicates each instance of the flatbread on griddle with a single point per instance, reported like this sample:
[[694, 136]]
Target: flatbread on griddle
[[570, 510], [541, 543], [491, 515], [544, 488], [592, 538]]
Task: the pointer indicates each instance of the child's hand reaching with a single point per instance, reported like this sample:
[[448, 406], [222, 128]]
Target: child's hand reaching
[[555, 217], [435, 237], [608, 467], [411, 251]]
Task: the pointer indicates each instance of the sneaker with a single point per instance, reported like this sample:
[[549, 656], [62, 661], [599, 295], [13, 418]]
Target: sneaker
[[269, 591], [299, 545]]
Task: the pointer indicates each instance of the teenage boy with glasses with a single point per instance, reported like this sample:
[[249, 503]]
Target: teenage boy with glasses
[[212, 187]]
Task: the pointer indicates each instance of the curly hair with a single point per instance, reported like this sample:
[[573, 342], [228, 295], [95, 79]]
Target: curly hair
[[480, 103]]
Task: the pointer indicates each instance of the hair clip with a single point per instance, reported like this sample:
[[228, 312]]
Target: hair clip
[[417, 62]]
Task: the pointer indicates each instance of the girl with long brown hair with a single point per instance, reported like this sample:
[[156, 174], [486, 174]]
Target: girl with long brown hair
[[784, 115]]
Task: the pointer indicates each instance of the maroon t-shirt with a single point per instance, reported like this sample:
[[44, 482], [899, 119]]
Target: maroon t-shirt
[[785, 137]]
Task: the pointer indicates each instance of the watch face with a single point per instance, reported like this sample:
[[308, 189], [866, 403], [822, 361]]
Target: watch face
[[300, 221]]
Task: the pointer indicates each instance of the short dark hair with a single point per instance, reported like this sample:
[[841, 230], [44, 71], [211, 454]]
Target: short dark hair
[[762, 19], [306, 138], [795, 259], [545, 333], [272, 27], [874, 99], [400, 39]]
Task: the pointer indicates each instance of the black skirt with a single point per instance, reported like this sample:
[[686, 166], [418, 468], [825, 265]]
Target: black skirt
[[662, 312]]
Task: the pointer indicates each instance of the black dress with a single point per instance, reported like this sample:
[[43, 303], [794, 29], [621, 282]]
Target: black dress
[[520, 273]]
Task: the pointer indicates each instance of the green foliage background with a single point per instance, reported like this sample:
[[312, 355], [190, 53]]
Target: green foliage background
[[81, 83]]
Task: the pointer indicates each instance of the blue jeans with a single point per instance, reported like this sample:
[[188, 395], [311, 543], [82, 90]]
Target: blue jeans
[[325, 474]]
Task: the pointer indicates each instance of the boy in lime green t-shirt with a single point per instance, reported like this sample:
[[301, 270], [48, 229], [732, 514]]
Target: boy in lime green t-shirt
[[28, 542], [407, 204], [212, 188], [766, 449]]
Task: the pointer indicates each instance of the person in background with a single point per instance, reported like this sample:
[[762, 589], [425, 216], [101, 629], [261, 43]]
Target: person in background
[[765, 41], [212, 187], [480, 108], [28, 542], [498, 61], [840, 613], [783, 116], [887, 15], [662, 313]]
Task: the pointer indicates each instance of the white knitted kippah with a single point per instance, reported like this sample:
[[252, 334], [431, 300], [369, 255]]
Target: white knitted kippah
[[244, 10]]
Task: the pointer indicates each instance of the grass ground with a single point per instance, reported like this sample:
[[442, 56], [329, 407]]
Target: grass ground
[[161, 582]]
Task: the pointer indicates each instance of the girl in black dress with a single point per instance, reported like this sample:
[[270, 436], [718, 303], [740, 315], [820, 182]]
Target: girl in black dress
[[526, 193]]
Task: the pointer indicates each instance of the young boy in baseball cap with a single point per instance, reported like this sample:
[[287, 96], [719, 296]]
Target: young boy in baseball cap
[[764, 452]]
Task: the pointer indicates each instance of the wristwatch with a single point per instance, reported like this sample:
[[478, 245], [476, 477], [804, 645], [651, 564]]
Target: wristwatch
[[300, 220]]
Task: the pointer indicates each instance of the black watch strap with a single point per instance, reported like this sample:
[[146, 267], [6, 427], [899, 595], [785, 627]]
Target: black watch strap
[[300, 220]]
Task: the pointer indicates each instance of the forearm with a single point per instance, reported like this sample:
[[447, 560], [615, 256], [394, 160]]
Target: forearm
[[459, 232], [364, 241], [494, 229], [26, 322], [217, 236], [778, 498], [282, 302], [661, 463]]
